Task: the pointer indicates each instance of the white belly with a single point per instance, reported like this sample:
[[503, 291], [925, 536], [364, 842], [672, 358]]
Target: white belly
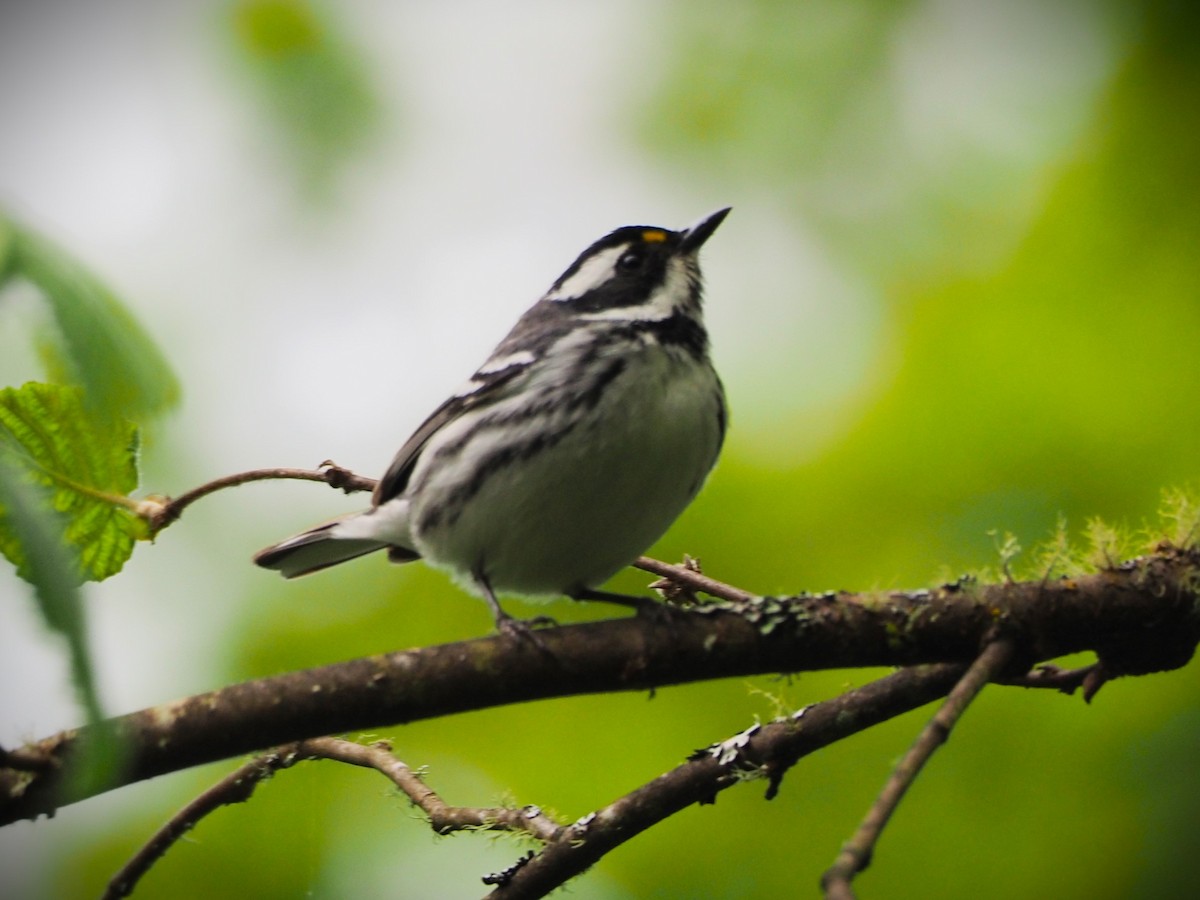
[[577, 512]]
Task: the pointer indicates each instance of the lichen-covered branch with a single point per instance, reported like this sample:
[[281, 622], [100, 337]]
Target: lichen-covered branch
[[765, 752], [1138, 617]]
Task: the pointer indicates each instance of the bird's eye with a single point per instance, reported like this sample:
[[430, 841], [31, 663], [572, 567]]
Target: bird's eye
[[631, 260]]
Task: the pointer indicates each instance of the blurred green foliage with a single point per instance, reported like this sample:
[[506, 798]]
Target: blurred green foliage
[[31, 529], [311, 83], [1044, 364], [97, 343], [68, 457]]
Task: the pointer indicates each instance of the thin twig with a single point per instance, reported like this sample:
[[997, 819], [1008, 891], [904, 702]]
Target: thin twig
[[1096, 677], [443, 818], [856, 853], [235, 787], [161, 513], [239, 785], [693, 579], [1050, 676]]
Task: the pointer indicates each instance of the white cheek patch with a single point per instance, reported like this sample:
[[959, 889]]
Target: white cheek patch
[[593, 273]]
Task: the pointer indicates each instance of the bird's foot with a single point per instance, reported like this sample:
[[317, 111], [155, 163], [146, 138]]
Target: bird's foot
[[523, 629]]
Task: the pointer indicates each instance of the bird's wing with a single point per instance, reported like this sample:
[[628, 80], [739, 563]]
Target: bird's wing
[[490, 384]]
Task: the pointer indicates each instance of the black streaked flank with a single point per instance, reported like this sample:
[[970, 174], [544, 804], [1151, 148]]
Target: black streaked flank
[[508, 454]]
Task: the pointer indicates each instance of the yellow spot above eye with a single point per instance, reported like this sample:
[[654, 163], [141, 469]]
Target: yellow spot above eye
[[654, 236]]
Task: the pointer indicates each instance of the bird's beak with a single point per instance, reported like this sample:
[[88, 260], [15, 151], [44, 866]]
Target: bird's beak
[[695, 236]]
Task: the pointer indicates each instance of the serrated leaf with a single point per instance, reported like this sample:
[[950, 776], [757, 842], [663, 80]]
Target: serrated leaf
[[87, 465], [103, 347]]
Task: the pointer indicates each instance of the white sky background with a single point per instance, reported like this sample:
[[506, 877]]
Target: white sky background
[[297, 336]]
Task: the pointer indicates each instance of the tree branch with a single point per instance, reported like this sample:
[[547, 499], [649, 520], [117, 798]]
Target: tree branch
[[856, 853], [1140, 617], [766, 751], [238, 786]]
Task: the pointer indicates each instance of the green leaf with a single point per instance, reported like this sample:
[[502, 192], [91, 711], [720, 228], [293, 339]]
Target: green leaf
[[103, 347], [87, 465], [28, 519]]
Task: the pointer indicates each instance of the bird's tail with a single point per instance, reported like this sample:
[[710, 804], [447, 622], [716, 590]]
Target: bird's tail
[[315, 549]]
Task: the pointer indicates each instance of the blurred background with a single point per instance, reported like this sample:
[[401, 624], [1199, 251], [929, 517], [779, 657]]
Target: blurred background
[[959, 292]]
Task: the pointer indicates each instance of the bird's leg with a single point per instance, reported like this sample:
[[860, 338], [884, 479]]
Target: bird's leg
[[643, 605], [505, 623]]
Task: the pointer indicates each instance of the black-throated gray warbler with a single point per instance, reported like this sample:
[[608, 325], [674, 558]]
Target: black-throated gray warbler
[[571, 450]]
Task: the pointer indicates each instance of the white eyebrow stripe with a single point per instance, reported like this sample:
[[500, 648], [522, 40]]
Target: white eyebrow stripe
[[593, 273]]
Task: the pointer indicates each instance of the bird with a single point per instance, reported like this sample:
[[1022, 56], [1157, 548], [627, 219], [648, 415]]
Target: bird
[[574, 447]]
